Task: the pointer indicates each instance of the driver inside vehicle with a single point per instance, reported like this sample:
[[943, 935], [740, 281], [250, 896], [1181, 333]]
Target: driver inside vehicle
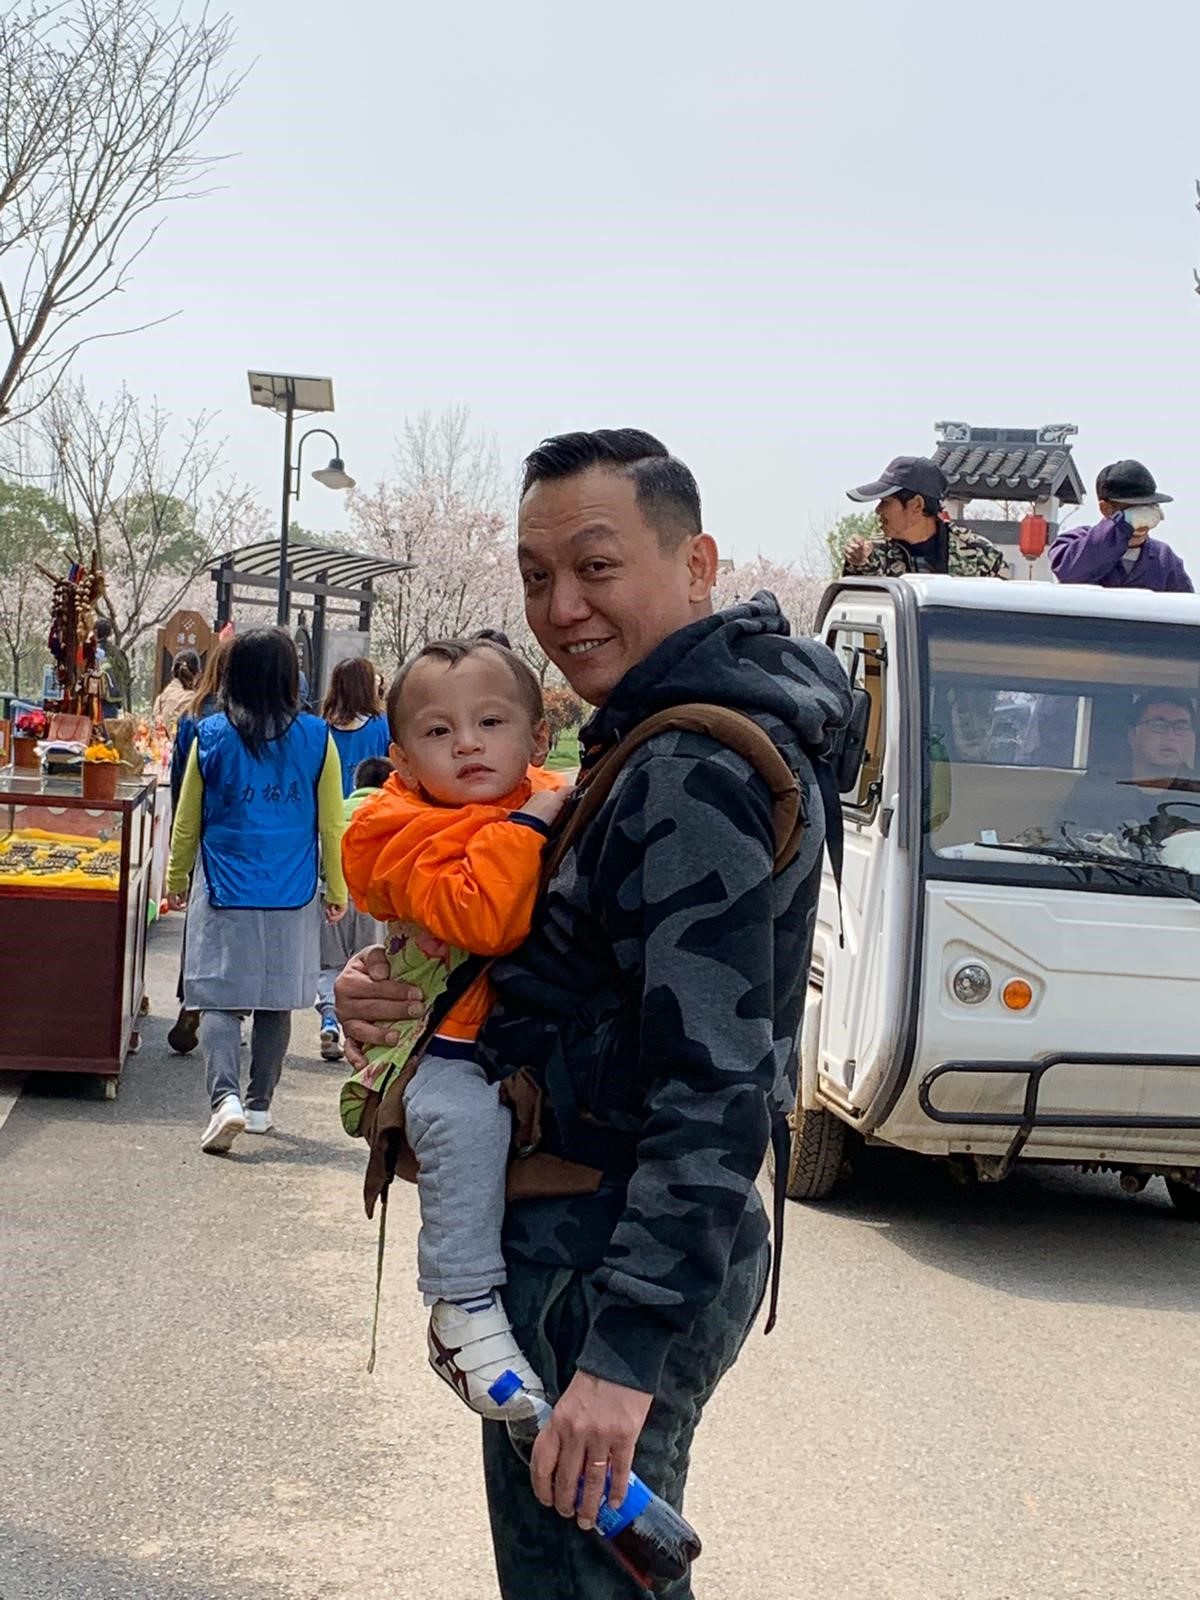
[[1161, 739]]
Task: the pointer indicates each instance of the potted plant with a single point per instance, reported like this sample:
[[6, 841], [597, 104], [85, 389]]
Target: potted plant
[[29, 727], [101, 768]]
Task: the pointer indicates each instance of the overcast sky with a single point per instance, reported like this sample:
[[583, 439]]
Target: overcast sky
[[786, 238]]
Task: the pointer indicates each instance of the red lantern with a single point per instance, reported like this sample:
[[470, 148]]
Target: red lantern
[[1035, 530]]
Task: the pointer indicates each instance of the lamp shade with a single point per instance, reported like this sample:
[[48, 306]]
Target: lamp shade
[[334, 476]]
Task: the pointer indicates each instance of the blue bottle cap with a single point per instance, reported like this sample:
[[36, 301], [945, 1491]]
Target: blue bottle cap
[[505, 1386]]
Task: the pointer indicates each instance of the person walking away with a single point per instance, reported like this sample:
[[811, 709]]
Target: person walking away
[[260, 813], [657, 1000], [916, 534], [184, 1034], [356, 930], [354, 712], [450, 855], [177, 692], [1117, 552], [115, 674]]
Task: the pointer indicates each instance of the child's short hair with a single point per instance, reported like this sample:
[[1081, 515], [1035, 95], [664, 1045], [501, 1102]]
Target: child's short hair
[[453, 651], [372, 773]]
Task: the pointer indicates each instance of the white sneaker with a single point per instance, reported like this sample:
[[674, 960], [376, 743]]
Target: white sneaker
[[258, 1122], [331, 1041], [228, 1120], [470, 1349]]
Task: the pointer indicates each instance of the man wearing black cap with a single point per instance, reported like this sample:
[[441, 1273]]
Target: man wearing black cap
[[916, 536], [1118, 553]]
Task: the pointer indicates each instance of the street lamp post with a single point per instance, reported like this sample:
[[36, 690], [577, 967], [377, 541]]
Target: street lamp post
[[334, 476], [289, 394]]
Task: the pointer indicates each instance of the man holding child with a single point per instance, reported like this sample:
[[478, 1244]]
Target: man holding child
[[656, 1000]]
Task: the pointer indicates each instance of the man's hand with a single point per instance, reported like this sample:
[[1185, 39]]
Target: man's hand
[[546, 804], [177, 902], [857, 553], [594, 1430], [334, 913], [369, 1003]]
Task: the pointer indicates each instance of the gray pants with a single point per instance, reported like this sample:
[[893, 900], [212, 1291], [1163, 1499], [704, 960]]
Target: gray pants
[[339, 942], [459, 1133], [221, 1041]]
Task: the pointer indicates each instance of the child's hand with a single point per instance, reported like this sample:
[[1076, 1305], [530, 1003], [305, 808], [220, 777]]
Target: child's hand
[[334, 913], [546, 804], [177, 902]]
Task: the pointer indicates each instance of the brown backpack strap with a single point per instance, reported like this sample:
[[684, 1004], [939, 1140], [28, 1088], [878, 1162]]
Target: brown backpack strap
[[732, 729]]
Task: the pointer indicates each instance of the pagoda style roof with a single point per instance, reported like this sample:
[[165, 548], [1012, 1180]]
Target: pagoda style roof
[[1009, 463]]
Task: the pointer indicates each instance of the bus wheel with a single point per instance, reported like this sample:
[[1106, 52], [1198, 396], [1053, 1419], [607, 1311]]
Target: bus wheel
[[1185, 1199], [818, 1148]]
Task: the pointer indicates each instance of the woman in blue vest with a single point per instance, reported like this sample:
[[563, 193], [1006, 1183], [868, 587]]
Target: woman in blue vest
[[261, 808], [355, 716], [354, 712]]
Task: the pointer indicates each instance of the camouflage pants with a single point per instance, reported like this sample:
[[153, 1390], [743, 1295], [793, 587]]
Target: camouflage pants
[[538, 1553]]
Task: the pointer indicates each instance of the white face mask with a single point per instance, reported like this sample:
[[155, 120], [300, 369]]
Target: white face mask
[[1139, 517]]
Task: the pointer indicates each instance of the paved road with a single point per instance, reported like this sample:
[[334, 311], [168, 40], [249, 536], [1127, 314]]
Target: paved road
[[988, 1396]]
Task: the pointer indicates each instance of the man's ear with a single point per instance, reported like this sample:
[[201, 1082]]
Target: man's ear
[[400, 761], [702, 565], [541, 744]]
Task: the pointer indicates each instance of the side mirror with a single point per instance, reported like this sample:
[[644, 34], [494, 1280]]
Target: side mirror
[[848, 754]]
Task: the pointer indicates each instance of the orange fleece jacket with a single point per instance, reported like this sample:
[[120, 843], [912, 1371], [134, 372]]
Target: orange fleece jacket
[[464, 874]]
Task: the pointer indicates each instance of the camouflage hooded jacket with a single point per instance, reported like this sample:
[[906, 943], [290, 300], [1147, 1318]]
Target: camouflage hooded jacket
[[970, 555], [665, 975]]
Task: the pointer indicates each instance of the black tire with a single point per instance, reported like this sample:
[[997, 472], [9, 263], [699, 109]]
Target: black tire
[[818, 1149], [1185, 1199]]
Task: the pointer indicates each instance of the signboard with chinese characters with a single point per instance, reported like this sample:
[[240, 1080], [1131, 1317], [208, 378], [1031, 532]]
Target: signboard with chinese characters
[[186, 630]]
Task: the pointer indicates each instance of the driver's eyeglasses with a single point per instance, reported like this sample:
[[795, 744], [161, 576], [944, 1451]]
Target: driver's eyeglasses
[[1181, 727]]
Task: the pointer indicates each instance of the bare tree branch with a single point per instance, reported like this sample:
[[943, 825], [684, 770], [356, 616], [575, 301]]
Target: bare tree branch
[[103, 111]]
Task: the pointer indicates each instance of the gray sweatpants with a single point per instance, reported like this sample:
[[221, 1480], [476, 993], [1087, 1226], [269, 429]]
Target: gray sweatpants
[[459, 1133], [221, 1041], [340, 941]]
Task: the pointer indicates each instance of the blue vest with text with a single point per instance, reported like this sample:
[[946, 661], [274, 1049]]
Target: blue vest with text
[[259, 834]]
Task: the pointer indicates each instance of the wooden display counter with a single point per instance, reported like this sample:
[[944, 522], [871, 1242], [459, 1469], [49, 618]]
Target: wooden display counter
[[74, 879]]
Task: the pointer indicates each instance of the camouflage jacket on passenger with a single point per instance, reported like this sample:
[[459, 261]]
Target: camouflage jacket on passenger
[[970, 556], [665, 976]]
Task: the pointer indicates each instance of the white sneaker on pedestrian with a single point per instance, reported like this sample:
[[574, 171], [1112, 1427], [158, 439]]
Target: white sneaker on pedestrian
[[470, 1349], [331, 1041], [258, 1122], [228, 1120]]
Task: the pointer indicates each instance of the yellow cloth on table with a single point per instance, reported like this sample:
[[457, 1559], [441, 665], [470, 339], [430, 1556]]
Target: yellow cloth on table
[[32, 858]]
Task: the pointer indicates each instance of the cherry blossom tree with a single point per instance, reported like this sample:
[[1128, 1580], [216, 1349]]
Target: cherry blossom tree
[[444, 509], [797, 590]]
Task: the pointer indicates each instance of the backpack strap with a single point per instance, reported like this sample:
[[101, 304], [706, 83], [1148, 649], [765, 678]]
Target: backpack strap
[[747, 739], [735, 731]]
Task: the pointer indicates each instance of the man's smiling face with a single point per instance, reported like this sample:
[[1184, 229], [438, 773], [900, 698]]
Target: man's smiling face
[[603, 586]]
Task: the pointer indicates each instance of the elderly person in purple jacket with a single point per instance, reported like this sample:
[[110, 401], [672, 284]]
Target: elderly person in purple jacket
[[1118, 553]]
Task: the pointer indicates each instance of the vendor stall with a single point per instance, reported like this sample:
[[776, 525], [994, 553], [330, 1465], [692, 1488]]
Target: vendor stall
[[74, 881]]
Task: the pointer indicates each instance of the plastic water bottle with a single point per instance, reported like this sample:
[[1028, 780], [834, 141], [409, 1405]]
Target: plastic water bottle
[[643, 1534]]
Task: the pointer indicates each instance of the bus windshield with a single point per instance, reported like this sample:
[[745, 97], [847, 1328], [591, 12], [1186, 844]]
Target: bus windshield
[[1062, 750]]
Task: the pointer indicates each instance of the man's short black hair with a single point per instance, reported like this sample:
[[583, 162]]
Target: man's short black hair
[[667, 494], [1162, 697]]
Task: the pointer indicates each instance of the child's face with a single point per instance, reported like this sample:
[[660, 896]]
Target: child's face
[[466, 735]]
